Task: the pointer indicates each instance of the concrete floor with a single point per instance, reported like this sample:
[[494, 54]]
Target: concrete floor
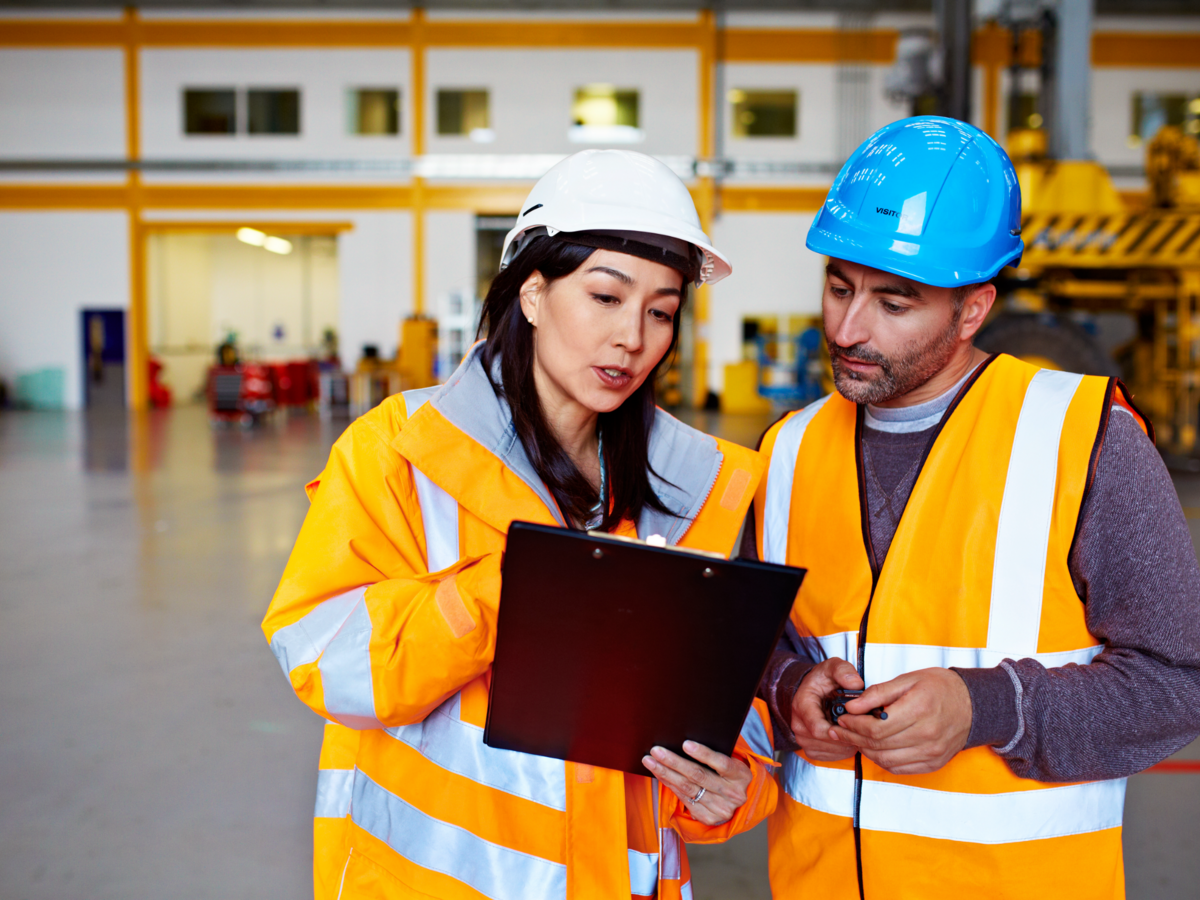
[[150, 747]]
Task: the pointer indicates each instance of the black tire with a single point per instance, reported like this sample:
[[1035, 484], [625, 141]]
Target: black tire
[[1050, 337]]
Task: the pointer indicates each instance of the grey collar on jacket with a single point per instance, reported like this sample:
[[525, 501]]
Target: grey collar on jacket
[[684, 462]]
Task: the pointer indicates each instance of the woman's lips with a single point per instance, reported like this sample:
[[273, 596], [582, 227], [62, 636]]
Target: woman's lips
[[613, 377]]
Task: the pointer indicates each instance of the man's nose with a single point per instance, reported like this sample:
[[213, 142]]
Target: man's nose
[[852, 329]]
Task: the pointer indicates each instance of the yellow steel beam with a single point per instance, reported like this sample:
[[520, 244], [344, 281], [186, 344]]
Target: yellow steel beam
[[809, 45], [137, 339], [418, 36], [269, 226], [992, 47]]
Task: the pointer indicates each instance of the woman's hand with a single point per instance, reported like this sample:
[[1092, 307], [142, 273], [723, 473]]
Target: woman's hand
[[720, 791]]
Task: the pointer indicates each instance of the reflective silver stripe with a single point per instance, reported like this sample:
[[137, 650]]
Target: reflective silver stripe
[[685, 891], [439, 514], [843, 645], [780, 476], [439, 511], [457, 746], [1023, 534], [345, 668], [977, 818], [500, 873], [305, 640], [643, 873], [335, 787], [824, 789], [668, 845], [754, 732], [886, 661]]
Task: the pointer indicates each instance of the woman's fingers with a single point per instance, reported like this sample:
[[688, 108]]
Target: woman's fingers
[[727, 768], [724, 783]]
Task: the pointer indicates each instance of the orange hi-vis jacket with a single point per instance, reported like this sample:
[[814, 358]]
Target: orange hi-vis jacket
[[977, 572], [385, 624]]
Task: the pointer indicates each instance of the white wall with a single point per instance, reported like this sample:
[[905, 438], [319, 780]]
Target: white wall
[[375, 262], [62, 103], [773, 274], [323, 77], [52, 265], [449, 274], [1112, 106], [531, 92], [819, 112]]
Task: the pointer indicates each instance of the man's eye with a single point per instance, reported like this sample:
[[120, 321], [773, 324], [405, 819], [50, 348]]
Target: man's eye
[[893, 307], [841, 291]]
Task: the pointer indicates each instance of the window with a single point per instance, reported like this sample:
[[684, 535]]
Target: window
[[1152, 111], [1023, 112], [271, 111], [605, 114], [464, 112], [758, 113], [373, 111], [209, 111]]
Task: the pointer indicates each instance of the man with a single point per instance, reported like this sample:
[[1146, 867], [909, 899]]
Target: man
[[995, 552]]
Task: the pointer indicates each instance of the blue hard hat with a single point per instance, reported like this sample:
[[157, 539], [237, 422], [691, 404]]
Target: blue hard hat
[[935, 200]]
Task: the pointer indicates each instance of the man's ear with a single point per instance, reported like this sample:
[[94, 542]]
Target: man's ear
[[531, 294], [975, 310]]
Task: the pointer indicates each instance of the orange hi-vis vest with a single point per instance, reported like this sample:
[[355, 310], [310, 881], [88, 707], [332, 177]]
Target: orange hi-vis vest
[[385, 624], [977, 572]]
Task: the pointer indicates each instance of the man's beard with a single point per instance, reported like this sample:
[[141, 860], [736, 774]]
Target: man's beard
[[896, 377]]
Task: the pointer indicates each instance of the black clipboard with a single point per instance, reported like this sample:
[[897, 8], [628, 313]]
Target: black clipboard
[[606, 647]]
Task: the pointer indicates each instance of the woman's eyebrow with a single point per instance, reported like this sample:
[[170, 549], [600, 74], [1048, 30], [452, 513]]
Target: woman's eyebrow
[[615, 273]]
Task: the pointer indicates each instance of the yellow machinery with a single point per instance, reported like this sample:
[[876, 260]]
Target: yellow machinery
[[375, 379], [1086, 249]]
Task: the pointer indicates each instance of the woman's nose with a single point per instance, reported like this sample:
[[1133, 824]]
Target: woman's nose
[[629, 330]]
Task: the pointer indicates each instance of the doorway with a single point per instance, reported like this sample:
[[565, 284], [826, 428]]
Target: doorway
[[103, 332], [270, 292]]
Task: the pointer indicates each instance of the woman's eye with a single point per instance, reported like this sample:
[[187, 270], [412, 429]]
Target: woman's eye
[[606, 299], [662, 315]]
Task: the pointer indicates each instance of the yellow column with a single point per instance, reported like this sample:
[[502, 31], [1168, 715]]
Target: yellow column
[[137, 357], [704, 194], [418, 150], [990, 49]]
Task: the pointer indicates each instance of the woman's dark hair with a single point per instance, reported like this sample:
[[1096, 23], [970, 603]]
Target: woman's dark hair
[[624, 432]]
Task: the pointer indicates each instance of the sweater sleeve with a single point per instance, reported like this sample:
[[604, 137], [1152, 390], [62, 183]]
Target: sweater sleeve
[[1138, 701]]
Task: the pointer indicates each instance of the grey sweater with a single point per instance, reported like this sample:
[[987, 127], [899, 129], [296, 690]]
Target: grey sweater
[[1135, 570]]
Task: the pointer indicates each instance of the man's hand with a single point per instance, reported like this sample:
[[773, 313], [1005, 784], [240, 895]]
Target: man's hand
[[929, 719], [813, 731]]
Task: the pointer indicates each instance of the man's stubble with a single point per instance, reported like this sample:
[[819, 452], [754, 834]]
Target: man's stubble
[[918, 363]]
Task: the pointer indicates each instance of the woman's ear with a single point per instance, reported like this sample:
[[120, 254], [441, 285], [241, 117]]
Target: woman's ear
[[531, 294]]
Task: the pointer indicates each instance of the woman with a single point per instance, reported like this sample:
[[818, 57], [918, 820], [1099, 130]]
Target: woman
[[385, 620]]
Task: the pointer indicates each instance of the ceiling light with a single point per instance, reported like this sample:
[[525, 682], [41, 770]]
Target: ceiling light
[[277, 245], [254, 237]]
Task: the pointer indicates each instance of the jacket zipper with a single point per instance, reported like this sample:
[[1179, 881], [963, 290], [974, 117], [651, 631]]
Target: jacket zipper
[[876, 567], [708, 493], [862, 637]]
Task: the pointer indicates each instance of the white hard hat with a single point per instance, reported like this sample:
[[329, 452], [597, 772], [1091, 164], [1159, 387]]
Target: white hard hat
[[619, 193]]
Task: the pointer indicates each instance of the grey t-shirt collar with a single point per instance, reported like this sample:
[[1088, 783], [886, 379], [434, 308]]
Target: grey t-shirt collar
[[909, 419]]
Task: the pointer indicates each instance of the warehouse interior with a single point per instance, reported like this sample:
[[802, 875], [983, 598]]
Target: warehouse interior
[[229, 228]]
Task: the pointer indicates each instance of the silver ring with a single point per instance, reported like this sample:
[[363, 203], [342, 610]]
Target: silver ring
[[696, 799]]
